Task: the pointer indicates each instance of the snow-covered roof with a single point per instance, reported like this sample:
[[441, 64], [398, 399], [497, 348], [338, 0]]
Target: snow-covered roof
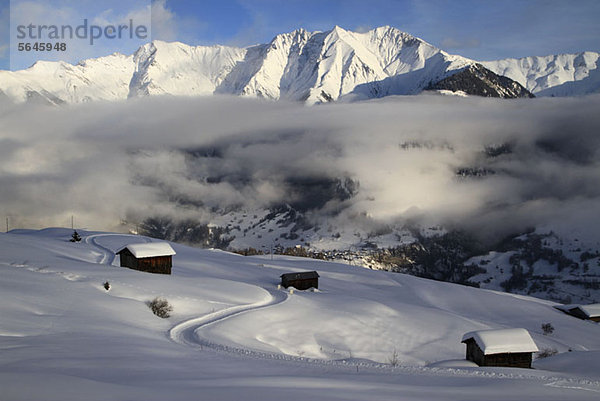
[[502, 341], [591, 310], [149, 250]]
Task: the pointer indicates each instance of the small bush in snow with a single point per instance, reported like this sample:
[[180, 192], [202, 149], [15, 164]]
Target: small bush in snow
[[160, 307], [547, 328], [106, 285], [546, 352]]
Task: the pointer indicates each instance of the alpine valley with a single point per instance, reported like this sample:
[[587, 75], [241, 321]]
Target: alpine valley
[[500, 194]]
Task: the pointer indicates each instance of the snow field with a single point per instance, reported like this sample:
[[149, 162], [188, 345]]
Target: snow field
[[234, 335]]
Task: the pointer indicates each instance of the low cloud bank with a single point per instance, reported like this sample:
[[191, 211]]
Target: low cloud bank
[[489, 166]]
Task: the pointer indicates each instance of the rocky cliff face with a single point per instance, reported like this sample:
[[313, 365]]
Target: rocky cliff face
[[479, 81]]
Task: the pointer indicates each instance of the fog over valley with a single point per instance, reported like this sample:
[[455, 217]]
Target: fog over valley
[[493, 167]]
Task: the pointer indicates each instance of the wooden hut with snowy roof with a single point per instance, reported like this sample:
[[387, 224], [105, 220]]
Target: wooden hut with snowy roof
[[300, 280], [585, 312], [503, 347], [153, 257]]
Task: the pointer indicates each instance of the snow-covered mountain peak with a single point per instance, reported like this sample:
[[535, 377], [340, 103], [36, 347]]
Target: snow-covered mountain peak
[[175, 68]]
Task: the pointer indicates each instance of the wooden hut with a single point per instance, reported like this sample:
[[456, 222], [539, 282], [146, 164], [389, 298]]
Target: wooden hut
[[301, 280], [504, 347], [585, 312], [154, 257]]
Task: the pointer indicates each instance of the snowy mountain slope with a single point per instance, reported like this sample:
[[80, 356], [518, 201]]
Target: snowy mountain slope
[[233, 332], [181, 70], [306, 66], [554, 75], [270, 69], [104, 78]]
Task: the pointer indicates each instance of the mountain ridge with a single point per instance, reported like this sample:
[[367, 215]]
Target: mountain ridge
[[313, 67]]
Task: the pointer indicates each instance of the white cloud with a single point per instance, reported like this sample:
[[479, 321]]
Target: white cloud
[[164, 24], [363, 28]]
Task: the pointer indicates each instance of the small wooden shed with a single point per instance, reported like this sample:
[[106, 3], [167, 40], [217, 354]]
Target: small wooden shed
[[585, 312], [503, 347], [301, 280], [154, 257]]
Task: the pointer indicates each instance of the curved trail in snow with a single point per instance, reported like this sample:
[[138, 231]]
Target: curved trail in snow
[[185, 332]]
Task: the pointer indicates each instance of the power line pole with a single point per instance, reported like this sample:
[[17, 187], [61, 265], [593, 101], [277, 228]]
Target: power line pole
[[71, 222], [7, 224]]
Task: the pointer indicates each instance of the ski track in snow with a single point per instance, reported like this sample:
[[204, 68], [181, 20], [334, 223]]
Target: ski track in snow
[[185, 333]]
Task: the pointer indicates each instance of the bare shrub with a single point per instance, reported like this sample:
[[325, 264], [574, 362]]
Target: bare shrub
[[160, 307], [547, 328], [546, 352], [393, 359]]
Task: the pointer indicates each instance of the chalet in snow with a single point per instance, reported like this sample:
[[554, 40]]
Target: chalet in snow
[[301, 280], [154, 257], [503, 347], [585, 312]]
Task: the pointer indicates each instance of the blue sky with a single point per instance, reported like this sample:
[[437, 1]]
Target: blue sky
[[480, 29]]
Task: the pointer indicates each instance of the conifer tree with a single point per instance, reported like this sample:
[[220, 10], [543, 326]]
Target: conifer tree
[[75, 237]]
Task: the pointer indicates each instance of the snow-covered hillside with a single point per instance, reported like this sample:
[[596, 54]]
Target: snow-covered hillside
[[233, 333], [307, 66]]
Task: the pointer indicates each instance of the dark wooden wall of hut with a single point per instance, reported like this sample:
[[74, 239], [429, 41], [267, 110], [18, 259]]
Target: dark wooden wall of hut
[[474, 353], [127, 259], [157, 264], [304, 284], [510, 360]]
